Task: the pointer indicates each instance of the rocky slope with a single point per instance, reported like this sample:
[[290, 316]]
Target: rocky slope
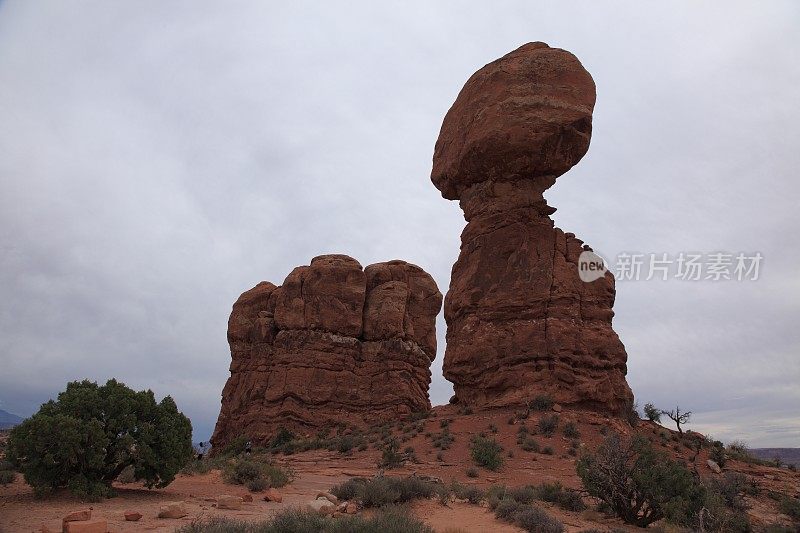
[[520, 322], [9, 420], [335, 343]]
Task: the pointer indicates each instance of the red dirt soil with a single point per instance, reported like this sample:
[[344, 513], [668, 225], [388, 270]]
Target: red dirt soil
[[319, 470]]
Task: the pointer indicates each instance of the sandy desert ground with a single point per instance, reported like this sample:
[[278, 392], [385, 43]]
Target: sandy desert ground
[[319, 470]]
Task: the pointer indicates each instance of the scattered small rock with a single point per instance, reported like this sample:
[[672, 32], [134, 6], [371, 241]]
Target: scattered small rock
[[322, 506], [74, 516], [132, 516], [714, 466], [247, 498], [328, 496], [172, 510], [351, 508], [557, 408], [229, 502]]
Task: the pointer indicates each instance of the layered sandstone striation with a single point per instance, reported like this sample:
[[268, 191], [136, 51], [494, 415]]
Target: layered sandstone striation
[[336, 343], [520, 322]]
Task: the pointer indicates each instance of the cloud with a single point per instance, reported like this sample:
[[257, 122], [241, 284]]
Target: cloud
[[157, 161]]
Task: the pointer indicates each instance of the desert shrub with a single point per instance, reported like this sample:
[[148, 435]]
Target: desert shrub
[[632, 415], [378, 492], [548, 492], [790, 506], [548, 450], [524, 494], [257, 485], [443, 440], [413, 488], [472, 472], [715, 516], [494, 494], [547, 425], [535, 520], [247, 471], [531, 445], [346, 444], [281, 438], [7, 476], [506, 509], [639, 484], [473, 495], [198, 466], [391, 520], [235, 447], [443, 493], [6, 465], [740, 451], [388, 520], [730, 486], [91, 433], [557, 494], [387, 490], [384, 490], [278, 476], [420, 415], [717, 454], [486, 453], [528, 517], [87, 489], [242, 472], [570, 430], [349, 489], [390, 457], [652, 412], [542, 402], [295, 521]]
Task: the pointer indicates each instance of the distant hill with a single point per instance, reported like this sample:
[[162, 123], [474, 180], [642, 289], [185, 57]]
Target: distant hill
[[8, 420], [787, 455]]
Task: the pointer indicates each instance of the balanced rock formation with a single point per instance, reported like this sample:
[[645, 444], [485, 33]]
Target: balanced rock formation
[[334, 344], [520, 322]]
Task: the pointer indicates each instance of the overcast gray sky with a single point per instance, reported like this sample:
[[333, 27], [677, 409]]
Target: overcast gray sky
[[159, 158]]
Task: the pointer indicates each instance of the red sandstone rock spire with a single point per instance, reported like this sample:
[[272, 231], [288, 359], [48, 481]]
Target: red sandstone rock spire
[[335, 343], [520, 322]]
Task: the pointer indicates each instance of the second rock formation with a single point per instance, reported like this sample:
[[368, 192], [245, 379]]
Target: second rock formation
[[334, 344], [520, 321]]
